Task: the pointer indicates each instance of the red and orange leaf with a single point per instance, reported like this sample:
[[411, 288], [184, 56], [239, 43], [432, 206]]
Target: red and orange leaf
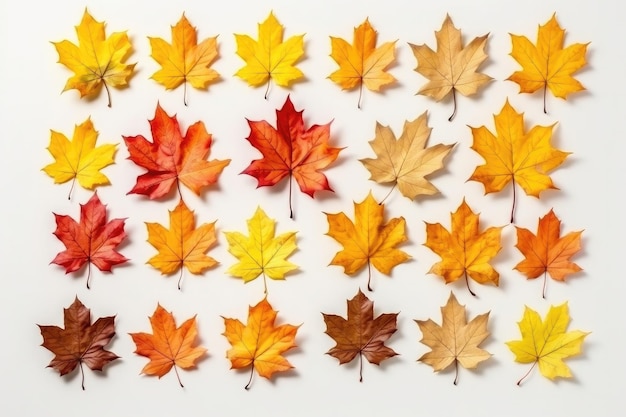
[[291, 150], [168, 346], [91, 240], [172, 159], [80, 341]]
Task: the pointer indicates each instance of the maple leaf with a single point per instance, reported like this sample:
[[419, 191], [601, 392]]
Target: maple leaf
[[464, 251], [547, 252], [79, 159], [515, 156], [453, 67], [269, 58], [183, 245], [262, 252], [80, 341], [91, 240], [290, 150], [406, 162], [361, 334], [547, 65], [172, 159], [362, 63], [259, 344], [97, 60], [367, 240], [168, 346], [546, 342], [184, 60], [455, 340]]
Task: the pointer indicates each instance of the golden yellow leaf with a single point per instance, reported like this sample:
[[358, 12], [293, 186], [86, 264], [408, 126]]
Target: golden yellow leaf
[[183, 245], [406, 162], [362, 63], [368, 240], [269, 58], [548, 65], [79, 159], [261, 252], [546, 342], [455, 340], [184, 60], [465, 251], [453, 67], [97, 60], [259, 344], [515, 156]]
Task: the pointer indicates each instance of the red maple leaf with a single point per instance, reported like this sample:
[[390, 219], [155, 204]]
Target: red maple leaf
[[171, 158], [290, 150], [91, 240]]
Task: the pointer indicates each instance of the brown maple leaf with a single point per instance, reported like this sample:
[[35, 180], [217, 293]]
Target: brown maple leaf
[[92, 240], [80, 341], [361, 334]]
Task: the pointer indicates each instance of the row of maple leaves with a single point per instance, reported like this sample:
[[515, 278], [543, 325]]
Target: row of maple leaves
[[174, 160]]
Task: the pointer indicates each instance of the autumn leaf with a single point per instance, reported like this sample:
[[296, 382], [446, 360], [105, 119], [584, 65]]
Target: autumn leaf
[[97, 60], [547, 342], [262, 252], [455, 340], [362, 63], [513, 155], [79, 159], [91, 240], [361, 334], [172, 159], [270, 58], [464, 251], [547, 65], [80, 341], [290, 150], [367, 240], [547, 252], [259, 344], [406, 162], [184, 60], [168, 346], [183, 245], [453, 67]]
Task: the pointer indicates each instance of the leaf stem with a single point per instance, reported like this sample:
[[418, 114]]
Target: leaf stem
[[519, 383], [178, 376], [82, 375], [545, 85], [106, 87], [456, 371], [513, 205], [185, 92], [180, 277], [369, 275], [358, 104], [267, 90], [247, 387], [264, 283], [290, 197], [467, 284], [360, 366], [545, 282], [69, 195], [88, 272], [388, 194], [454, 101]]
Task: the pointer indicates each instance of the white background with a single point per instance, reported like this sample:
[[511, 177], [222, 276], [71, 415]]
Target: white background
[[589, 124]]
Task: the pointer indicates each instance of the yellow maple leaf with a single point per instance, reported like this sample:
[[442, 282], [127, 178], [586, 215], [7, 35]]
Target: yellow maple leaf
[[548, 65], [546, 342], [455, 340], [261, 252], [259, 344], [362, 63], [464, 250], [406, 162], [97, 60], [269, 58], [183, 245], [453, 67], [79, 159], [184, 60], [367, 240], [515, 156]]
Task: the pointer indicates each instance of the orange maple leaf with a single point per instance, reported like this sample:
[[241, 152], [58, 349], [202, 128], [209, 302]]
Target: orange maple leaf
[[184, 60], [290, 150], [547, 252], [172, 158], [183, 245], [362, 63], [259, 344], [464, 251], [168, 346]]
